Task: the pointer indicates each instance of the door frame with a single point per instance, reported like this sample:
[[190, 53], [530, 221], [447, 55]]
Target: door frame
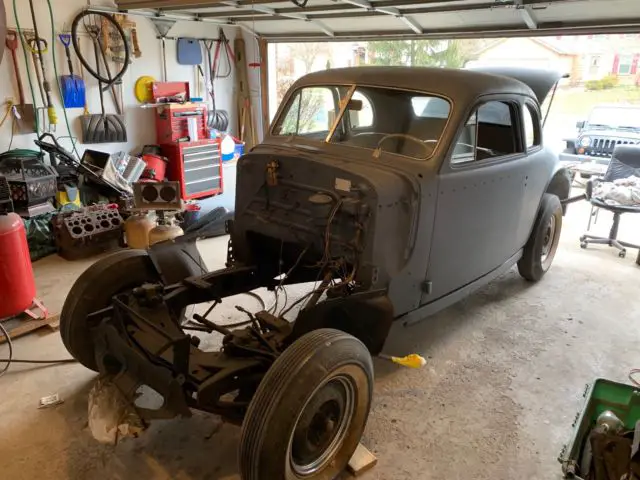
[[447, 168]]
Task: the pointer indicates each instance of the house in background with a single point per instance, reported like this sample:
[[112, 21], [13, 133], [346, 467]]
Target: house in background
[[530, 52], [603, 55], [584, 58]]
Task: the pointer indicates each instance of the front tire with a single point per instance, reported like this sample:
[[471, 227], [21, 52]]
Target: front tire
[[94, 290], [542, 245], [310, 410]]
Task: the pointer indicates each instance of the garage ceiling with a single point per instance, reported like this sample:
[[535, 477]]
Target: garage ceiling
[[337, 20]]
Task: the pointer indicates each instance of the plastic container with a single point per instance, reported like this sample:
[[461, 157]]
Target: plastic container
[[17, 282], [227, 148], [621, 399], [239, 150]]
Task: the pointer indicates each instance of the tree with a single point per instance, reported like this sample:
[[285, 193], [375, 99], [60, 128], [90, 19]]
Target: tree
[[303, 112], [433, 53], [307, 53], [287, 54]]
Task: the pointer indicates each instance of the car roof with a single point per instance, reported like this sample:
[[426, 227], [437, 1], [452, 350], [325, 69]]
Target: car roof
[[540, 80], [456, 84]]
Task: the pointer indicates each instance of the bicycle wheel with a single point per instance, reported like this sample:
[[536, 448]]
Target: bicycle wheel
[[87, 19]]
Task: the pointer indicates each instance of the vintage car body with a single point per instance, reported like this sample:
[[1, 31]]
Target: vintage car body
[[608, 125], [405, 189], [428, 220]]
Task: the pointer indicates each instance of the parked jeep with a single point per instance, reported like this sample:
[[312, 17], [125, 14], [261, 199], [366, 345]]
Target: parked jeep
[[394, 192], [589, 152]]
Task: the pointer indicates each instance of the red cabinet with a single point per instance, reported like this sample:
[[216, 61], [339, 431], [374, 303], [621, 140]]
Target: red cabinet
[[197, 166]]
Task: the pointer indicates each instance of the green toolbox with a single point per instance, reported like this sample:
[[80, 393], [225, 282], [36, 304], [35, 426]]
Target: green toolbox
[[604, 395]]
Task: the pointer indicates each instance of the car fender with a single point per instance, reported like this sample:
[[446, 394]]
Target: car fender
[[560, 184], [366, 315], [177, 259]]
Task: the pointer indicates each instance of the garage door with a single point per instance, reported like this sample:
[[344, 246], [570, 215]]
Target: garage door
[[373, 19]]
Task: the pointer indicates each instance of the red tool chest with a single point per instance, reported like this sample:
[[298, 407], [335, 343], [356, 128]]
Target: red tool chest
[[172, 122], [197, 166]]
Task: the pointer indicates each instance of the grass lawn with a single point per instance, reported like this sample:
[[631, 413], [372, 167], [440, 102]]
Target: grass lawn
[[577, 101]]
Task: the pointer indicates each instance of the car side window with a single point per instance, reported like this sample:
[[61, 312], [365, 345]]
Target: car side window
[[531, 126], [363, 117], [490, 132]]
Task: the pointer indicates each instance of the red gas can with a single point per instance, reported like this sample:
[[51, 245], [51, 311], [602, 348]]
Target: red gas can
[[17, 285]]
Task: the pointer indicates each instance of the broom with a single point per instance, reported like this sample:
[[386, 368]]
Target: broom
[[73, 87]]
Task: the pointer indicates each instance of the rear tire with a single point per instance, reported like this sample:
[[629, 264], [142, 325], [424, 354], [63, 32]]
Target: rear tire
[[94, 290], [542, 245], [310, 410]]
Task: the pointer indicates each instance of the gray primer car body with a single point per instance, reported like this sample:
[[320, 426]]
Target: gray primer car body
[[433, 232], [391, 236]]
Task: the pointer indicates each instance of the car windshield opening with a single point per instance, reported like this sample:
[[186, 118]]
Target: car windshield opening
[[374, 118], [615, 117]]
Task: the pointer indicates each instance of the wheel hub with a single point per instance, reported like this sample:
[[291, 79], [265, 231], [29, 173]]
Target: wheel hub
[[548, 243], [322, 426]]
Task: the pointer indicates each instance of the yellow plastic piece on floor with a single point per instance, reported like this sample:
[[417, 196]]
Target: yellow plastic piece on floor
[[410, 361]]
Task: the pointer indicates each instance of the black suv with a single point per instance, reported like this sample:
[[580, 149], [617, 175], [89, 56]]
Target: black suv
[[607, 126]]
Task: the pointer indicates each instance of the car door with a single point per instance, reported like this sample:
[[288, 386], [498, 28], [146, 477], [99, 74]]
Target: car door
[[477, 225]]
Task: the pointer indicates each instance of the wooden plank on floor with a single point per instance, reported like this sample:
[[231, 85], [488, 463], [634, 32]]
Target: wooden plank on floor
[[17, 327], [362, 461]]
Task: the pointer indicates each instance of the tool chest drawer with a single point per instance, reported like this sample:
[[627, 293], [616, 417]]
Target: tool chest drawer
[[197, 166]]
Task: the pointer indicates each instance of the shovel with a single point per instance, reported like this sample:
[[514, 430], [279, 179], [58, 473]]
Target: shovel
[[102, 128], [27, 121], [72, 86]]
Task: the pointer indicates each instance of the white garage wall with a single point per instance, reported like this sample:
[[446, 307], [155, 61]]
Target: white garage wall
[[140, 122]]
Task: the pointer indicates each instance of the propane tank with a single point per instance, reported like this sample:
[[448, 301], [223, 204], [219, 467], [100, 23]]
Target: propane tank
[[136, 229], [167, 229], [17, 284]]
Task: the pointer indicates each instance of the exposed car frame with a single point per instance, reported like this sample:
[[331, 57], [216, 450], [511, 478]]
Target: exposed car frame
[[386, 238]]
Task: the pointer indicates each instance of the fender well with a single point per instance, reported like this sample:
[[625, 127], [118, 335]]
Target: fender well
[[177, 260], [367, 316], [560, 185]]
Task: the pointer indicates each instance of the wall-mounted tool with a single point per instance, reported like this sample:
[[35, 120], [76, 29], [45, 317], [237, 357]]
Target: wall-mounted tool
[[163, 27], [218, 119], [51, 110], [246, 125], [27, 121], [72, 86], [101, 128], [38, 47], [189, 51], [136, 43]]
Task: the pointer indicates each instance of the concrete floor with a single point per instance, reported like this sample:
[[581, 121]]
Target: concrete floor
[[505, 375]]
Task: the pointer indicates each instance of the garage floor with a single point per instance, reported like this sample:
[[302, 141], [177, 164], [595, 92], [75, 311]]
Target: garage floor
[[505, 375]]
